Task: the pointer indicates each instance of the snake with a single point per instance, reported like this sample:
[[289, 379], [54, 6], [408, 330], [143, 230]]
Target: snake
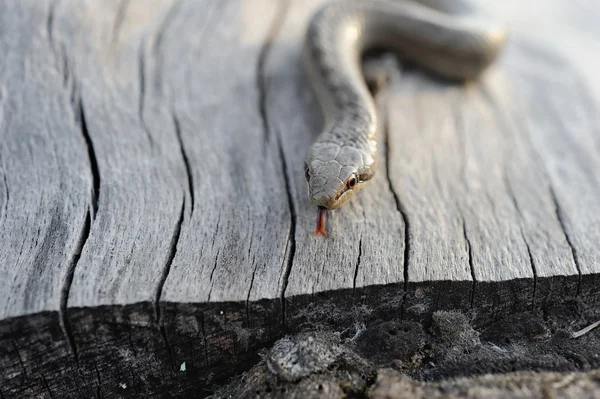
[[453, 39]]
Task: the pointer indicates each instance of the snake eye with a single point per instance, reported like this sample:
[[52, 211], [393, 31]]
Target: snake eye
[[351, 182]]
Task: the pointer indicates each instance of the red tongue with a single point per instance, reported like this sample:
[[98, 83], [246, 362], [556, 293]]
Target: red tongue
[[320, 230]]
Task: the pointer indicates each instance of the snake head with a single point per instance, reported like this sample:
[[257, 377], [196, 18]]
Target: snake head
[[334, 174]]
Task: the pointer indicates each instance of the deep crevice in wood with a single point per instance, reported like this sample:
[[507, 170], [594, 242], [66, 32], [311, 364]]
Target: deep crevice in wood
[[357, 266], [212, 272], [64, 295], [6, 192], [533, 268], [470, 252], [518, 209], [399, 208], [252, 279], [459, 126], [91, 156], [3, 170], [292, 233], [186, 162], [559, 216], [278, 19], [80, 119], [163, 279], [215, 236]]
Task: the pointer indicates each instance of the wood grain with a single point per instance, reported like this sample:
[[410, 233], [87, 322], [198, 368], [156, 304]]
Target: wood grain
[[153, 204]]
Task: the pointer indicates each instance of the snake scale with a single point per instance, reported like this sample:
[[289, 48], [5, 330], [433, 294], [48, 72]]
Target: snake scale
[[453, 39]]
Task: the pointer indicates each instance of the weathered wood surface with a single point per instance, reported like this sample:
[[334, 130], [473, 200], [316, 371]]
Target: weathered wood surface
[[152, 197]]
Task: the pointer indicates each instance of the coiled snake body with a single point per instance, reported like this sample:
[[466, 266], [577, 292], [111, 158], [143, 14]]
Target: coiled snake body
[[453, 39]]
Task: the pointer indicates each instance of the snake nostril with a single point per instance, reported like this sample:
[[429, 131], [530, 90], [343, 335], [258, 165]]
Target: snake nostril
[[306, 172]]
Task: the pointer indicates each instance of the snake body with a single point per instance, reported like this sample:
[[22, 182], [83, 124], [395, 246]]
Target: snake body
[[453, 39]]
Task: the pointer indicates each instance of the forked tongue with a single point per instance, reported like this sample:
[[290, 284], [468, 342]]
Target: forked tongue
[[320, 230]]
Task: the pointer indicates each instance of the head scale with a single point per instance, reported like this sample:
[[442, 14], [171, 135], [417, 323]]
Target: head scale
[[335, 173]]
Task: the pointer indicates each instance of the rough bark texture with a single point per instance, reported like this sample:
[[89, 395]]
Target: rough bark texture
[[153, 209], [526, 355]]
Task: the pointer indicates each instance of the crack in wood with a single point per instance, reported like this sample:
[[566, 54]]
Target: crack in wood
[[292, 232], [561, 221], [186, 161], [85, 231], [169, 262], [216, 233], [470, 253], [212, 272], [68, 280], [280, 16], [91, 157], [252, 279], [6, 191], [399, 207], [278, 20], [533, 268], [511, 193], [50, 23], [357, 266]]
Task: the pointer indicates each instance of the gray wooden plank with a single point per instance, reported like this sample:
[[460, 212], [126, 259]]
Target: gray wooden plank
[[164, 143]]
